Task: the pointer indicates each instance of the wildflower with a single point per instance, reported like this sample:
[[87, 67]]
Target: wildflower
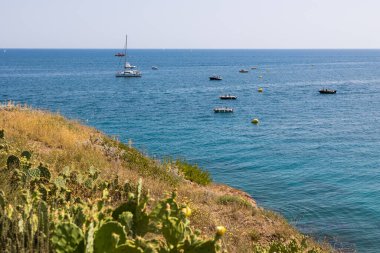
[[220, 230], [9, 211], [186, 211], [105, 194]]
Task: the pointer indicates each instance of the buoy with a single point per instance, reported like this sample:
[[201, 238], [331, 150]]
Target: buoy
[[260, 89], [255, 121]]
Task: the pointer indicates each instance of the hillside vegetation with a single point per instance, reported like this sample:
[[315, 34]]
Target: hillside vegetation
[[66, 187]]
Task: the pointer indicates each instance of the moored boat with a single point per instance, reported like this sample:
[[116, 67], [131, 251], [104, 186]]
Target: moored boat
[[243, 71], [129, 73], [154, 68], [120, 54], [327, 91], [228, 96], [223, 110], [215, 78]]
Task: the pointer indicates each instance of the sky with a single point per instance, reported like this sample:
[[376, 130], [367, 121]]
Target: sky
[[219, 24]]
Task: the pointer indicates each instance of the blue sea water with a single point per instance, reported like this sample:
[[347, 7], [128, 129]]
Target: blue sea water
[[313, 158]]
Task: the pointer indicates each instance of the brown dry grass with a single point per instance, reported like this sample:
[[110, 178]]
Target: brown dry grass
[[58, 142]]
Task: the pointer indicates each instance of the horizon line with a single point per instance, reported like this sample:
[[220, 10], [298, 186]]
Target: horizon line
[[99, 48]]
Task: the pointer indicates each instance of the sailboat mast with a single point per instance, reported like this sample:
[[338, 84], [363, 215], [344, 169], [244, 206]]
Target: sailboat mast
[[125, 49]]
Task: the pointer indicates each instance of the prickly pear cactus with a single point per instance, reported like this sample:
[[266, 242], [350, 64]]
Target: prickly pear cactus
[[89, 183], [136, 205], [125, 207], [13, 162], [78, 213], [53, 211], [126, 219], [44, 172], [127, 187], [74, 177], [65, 173], [26, 154], [33, 173], [60, 182], [67, 238], [200, 246], [43, 217], [2, 201], [109, 236], [93, 173], [90, 238]]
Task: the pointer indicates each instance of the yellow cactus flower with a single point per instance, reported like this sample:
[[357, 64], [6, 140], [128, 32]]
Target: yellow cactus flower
[[186, 211], [220, 230], [9, 211]]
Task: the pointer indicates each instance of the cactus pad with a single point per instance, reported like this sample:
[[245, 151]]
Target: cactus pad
[[33, 173], [106, 235], [13, 162], [67, 237], [44, 172], [26, 154]]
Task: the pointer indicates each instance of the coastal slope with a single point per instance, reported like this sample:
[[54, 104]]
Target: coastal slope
[[67, 146]]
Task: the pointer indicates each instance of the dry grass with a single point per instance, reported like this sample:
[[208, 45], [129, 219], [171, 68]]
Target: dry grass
[[51, 138], [58, 142]]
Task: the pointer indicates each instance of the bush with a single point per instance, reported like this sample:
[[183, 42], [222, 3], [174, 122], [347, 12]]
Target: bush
[[292, 246], [193, 172], [231, 199]]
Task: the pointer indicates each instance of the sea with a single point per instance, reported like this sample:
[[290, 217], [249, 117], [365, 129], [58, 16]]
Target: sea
[[313, 158]]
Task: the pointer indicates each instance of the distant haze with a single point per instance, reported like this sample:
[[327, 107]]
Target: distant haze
[[190, 24]]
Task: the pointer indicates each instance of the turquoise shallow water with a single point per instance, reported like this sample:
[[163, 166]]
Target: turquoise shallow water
[[314, 158]]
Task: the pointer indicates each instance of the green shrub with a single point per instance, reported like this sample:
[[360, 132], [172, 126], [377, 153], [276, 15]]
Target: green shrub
[[233, 200], [145, 166], [254, 235], [292, 246], [193, 173]]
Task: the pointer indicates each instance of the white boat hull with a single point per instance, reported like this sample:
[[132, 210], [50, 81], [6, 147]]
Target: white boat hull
[[128, 74]]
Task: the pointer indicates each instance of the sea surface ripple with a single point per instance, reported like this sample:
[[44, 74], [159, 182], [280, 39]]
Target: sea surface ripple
[[314, 158]]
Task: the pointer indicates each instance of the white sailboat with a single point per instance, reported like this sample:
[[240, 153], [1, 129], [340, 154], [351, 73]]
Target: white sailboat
[[129, 70]]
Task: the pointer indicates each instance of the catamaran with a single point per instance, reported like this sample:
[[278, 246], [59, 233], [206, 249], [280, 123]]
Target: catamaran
[[129, 70]]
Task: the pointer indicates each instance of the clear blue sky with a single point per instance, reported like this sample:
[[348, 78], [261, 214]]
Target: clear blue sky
[[190, 24]]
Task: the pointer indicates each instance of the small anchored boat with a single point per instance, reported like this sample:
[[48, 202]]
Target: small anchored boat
[[128, 73], [154, 67], [243, 71], [223, 110], [327, 91], [215, 78], [228, 96], [119, 54]]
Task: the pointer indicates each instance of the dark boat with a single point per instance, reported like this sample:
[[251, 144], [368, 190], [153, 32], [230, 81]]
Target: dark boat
[[228, 97], [120, 54], [326, 91], [223, 109], [215, 78], [243, 71]]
